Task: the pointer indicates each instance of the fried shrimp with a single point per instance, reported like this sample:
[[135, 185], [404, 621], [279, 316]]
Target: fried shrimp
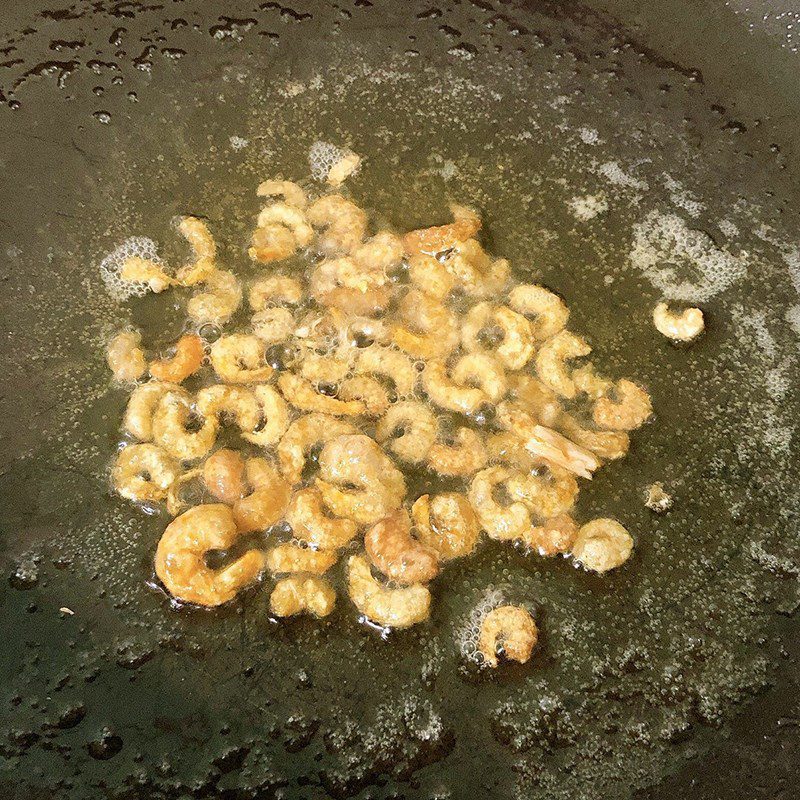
[[342, 222], [380, 253], [443, 237], [466, 455], [180, 557], [324, 368], [292, 193], [239, 358], [343, 169], [547, 493], [481, 371], [538, 400], [682, 327], [143, 473], [142, 404], [444, 392], [273, 417], [188, 358], [630, 411], [394, 608], [507, 448], [555, 536], [171, 419], [608, 445], [447, 524], [499, 331], [273, 325], [302, 435], [204, 250], [408, 429], [136, 269], [397, 554], [222, 401], [125, 356], [280, 229], [219, 302], [398, 367], [303, 396], [550, 366], [274, 290], [266, 504], [223, 476], [429, 329], [550, 313], [367, 390], [291, 557], [298, 593], [588, 382], [430, 276], [601, 545], [357, 461], [499, 521], [312, 525], [474, 271], [510, 627]]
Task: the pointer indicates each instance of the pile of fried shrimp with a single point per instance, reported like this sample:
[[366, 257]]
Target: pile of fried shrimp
[[358, 357]]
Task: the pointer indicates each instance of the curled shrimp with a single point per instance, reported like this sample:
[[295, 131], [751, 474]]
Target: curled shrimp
[[483, 372], [219, 302], [344, 284], [357, 461], [125, 356], [466, 455], [204, 250], [298, 593], [398, 367], [239, 358], [175, 500], [268, 500], [144, 472], [142, 405], [324, 368], [630, 411], [550, 366], [224, 476], [303, 396], [429, 329], [588, 382], [343, 169], [608, 445], [417, 429], [554, 536], [513, 629], [443, 237], [683, 327], [511, 331], [342, 222], [601, 545], [474, 271], [291, 557], [302, 435], [136, 269], [538, 400], [274, 289], [499, 521], [171, 419], [397, 554], [292, 193], [312, 525], [429, 275], [280, 229], [273, 417], [379, 254], [546, 492], [447, 393], [188, 358], [395, 608], [447, 524], [180, 557], [549, 311], [221, 401], [367, 390], [273, 325]]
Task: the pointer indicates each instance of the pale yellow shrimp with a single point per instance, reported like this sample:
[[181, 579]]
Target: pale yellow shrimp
[[342, 222], [188, 358], [274, 417], [298, 593], [547, 493], [417, 426], [550, 366], [144, 270], [357, 461], [292, 193], [499, 522], [443, 237], [379, 254], [267, 503], [170, 419], [608, 445], [291, 557], [142, 404], [239, 358], [446, 393], [474, 271], [682, 327], [507, 448], [554, 537], [466, 455], [601, 545], [221, 401], [273, 325], [588, 382], [302, 395], [303, 434], [515, 344], [397, 554], [224, 476], [324, 368], [483, 372], [398, 367], [513, 629], [125, 356], [312, 525], [447, 523], [549, 311], [274, 289], [180, 557], [343, 169], [144, 473], [204, 250], [342, 283], [272, 242], [429, 329], [219, 302], [538, 400], [367, 390], [430, 276], [394, 608], [630, 411], [289, 217]]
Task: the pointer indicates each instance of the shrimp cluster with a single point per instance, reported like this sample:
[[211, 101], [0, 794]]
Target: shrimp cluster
[[282, 437]]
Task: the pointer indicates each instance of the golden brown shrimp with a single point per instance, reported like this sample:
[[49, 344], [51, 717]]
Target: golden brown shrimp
[[483, 372], [601, 545], [538, 400], [312, 525], [474, 271], [608, 445], [292, 193], [223, 476], [290, 217], [550, 366], [395, 608], [204, 250], [555, 536], [219, 302], [303, 434], [170, 419], [143, 473], [125, 356], [266, 504], [430, 276], [342, 222], [547, 493], [417, 426], [324, 368], [274, 289], [398, 367], [274, 417], [298, 593], [443, 237], [291, 557], [588, 382], [221, 401], [466, 455], [499, 522], [175, 500], [272, 242], [273, 325], [447, 524], [549, 311], [142, 404], [144, 270], [380, 253], [446, 393], [343, 169], [188, 358], [303, 396], [630, 411], [429, 329], [683, 327], [367, 390], [511, 627], [180, 557], [397, 554], [239, 358], [516, 341]]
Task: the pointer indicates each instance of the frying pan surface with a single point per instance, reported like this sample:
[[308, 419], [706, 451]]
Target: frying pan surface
[[676, 674]]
